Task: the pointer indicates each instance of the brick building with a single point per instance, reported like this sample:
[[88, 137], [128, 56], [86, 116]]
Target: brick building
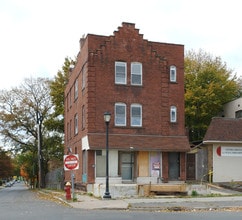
[[141, 83]]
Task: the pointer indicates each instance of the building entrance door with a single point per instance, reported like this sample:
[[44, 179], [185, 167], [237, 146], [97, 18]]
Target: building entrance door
[[127, 166], [191, 167], [174, 165]]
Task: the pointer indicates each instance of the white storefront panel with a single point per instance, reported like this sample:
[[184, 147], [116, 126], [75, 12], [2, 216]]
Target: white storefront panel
[[227, 163]]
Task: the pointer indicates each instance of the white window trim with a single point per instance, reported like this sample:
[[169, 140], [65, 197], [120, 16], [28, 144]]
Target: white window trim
[[131, 121], [125, 65], [173, 110], [140, 74], [83, 78], [76, 123], [76, 89], [173, 78], [123, 105]]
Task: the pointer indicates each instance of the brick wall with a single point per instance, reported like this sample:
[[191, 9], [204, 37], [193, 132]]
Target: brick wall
[[98, 55]]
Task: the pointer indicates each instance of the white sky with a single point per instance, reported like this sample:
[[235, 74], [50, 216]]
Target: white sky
[[37, 35]]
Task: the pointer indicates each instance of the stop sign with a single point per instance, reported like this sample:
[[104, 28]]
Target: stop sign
[[71, 162]]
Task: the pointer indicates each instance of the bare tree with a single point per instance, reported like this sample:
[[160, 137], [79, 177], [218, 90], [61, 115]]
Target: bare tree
[[19, 108], [23, 110]]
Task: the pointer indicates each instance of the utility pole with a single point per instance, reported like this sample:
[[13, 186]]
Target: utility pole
[[39, 123]]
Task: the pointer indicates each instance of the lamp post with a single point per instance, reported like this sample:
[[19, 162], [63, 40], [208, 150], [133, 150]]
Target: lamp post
[[107, 117]]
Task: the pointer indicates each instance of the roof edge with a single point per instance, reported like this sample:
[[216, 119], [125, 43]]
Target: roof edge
[[222, 142]]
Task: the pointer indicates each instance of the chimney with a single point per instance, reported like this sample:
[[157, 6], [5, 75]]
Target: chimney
[[82, 41]]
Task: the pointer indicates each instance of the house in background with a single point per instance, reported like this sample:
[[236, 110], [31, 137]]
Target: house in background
[[141, 83], [233, 109], [223, 141], [220, 153]]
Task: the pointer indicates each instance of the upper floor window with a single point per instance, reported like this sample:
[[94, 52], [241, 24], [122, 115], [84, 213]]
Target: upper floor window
[[67, 131], [120, 114], [120, 73], [76, 89], [70, 99], [173, 114], [83, 117], [136, 115], [76, 123], [238, 114], [67, 101], [172, 73], [70, 131], [136, 73], [84, 73]]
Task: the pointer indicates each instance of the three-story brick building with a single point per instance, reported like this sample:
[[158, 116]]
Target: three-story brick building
[[141, 83]]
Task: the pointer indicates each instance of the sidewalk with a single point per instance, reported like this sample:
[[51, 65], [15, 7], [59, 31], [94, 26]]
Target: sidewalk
[[224, 199], [90, 202]]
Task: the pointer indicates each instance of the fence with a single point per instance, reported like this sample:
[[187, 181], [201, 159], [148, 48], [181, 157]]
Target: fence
[[55, 179]]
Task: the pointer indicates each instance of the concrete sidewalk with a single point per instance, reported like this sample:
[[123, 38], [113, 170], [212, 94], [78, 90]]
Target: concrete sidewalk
[[185, 204], [159, 203], [90, 202], [224, 199]]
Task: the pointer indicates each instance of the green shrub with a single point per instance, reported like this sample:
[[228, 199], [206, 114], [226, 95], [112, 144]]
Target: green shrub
[[194, 193]]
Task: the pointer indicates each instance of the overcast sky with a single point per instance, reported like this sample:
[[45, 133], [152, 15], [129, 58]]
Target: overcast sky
[[37, 35]]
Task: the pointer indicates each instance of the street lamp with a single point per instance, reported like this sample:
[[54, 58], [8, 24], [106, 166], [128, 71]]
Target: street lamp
[[107, 117]]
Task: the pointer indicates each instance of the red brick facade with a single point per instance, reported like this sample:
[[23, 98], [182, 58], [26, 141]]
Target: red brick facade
[[97, 93]]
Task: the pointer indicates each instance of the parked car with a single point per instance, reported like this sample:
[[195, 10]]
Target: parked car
[[8, 184]]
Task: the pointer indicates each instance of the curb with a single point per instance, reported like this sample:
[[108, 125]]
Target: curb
[[55, 197]]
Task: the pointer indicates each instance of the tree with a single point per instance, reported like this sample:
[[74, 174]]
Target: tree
[[27, 164], [57, 89], [6, 167], [20, 109], [208, 85]]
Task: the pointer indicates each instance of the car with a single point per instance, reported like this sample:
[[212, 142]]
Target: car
[[8, 184]]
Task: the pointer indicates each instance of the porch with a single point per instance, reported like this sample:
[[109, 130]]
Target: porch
[[127, 190]]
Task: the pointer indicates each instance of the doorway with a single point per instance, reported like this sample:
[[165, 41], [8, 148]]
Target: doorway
[[174, 165], [127, 166], [191, 171]]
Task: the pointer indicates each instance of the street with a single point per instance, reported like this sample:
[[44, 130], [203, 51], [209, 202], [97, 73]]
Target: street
[[18, 202]]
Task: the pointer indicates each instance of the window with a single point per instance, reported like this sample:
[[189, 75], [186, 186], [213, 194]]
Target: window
[[76, 89], [70, 132], [76, 123], [70, 99], [120, 73], [238, 114], [120, 114], [83, 117], [173, 114], [172, 73], [83, 71], [136, 73], [136, 115], [100, 163]]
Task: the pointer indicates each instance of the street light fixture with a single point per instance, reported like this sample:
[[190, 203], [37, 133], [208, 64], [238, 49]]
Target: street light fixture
[[107, 118]]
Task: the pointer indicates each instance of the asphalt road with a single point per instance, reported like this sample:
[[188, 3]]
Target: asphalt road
[[18, 202]]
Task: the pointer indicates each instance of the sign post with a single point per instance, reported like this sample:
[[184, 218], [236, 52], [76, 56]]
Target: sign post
[[71, 162]]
